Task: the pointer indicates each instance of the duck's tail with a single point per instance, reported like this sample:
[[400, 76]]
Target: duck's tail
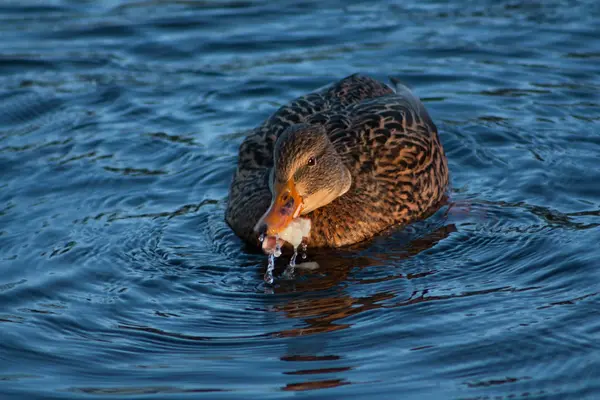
[[412, 99]]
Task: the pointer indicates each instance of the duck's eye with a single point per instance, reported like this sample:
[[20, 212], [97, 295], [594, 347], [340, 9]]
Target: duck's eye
[[312, 161]]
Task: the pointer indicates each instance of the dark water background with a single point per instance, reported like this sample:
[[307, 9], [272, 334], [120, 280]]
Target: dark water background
[[119, 128]]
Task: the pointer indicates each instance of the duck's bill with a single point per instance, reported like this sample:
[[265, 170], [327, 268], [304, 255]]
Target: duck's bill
[[286, 205], [270, 244]]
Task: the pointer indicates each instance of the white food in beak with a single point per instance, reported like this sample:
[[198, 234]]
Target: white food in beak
[[295, 231]]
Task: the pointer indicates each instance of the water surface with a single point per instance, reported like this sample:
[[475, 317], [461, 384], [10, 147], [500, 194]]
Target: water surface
[[119, 128]]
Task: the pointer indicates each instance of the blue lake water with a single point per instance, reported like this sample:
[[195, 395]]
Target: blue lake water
[[119, 128]]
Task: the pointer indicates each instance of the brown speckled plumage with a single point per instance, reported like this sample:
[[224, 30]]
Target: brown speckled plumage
[[387, 141]]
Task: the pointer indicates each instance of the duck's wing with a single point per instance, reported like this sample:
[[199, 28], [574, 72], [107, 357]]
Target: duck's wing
[[390, 134], [397, 154]]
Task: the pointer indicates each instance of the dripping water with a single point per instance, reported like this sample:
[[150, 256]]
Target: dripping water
[[268, 278], [270, 267], [290, 270], [293, 259]]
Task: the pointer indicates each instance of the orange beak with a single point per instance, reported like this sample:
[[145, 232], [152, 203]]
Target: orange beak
[[286, 205]]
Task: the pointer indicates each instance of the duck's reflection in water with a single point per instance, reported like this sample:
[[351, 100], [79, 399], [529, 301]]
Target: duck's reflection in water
[[330, 302], [322, 304], [314, 384]]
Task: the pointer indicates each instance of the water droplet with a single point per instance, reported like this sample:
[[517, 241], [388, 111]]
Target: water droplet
[[290, 270], [277, 252], [304, 247], [270, 267], [293, 259], [289, 273]]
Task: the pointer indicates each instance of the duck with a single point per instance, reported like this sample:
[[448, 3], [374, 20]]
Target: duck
[[341, 164]]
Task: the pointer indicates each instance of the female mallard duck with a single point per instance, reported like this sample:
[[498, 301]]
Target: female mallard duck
[[354, 158]]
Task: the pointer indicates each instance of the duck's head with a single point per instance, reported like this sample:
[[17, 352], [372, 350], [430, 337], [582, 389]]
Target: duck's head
[[308, 173]]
